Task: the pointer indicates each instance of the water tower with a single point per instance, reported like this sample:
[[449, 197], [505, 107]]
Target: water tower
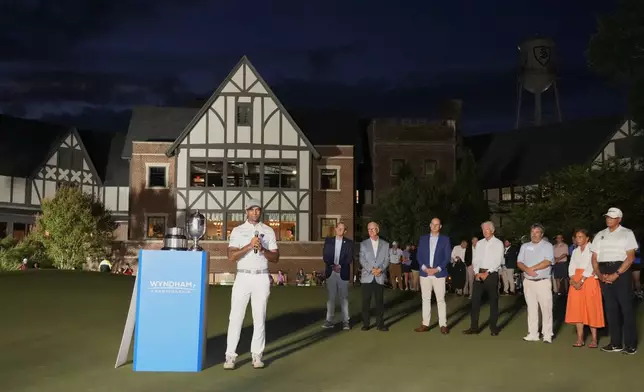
[[537, 74]]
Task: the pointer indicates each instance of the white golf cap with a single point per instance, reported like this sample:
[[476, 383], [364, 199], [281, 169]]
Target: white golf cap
[[250, 203], [614, 212], [394, 243]]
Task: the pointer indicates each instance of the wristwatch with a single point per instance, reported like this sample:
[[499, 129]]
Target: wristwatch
[[582, 280], [618, 273]]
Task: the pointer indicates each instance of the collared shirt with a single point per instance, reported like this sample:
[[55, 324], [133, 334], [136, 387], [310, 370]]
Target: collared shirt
[[433, 240], [458, 252], [613, 246], [581, 260], [374, 245], [242, 235], [488, 255], [338, 249], [560, 250], [394, 255], [532, 254], [406, 257]]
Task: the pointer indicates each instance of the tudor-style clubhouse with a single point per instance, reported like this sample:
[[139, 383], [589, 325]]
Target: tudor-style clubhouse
[[242, 143]]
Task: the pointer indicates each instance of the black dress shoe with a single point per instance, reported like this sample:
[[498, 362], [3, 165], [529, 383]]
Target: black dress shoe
[[494, 333], [364, 328], [383, 329], [471, 331]]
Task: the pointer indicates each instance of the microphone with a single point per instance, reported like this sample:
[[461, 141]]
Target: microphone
[[256, 236]]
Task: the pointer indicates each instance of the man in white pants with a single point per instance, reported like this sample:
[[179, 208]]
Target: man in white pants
[[434, 254], [252, 246], [536, 259]]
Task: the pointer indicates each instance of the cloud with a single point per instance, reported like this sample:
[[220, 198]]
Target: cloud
[[43, 29]]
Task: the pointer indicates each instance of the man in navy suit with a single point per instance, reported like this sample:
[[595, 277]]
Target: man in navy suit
[[338, 257], [434, 254]]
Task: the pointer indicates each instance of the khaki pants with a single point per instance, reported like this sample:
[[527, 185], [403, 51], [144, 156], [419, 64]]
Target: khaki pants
[[469, 282], [395, 272], [538, 295], [415, 280], [508, 279], [437, 285]]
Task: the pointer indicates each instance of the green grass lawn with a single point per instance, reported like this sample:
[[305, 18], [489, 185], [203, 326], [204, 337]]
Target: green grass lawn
[[60, 331]]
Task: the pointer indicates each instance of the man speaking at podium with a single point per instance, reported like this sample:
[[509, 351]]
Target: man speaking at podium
[[252, 246]]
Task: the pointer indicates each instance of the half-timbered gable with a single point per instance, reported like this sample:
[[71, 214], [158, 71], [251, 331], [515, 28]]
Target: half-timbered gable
[[244, 144], [627, 144]]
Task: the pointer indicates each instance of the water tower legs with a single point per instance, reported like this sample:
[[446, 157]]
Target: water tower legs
[[519, 93], [538, 113], [557, 100]]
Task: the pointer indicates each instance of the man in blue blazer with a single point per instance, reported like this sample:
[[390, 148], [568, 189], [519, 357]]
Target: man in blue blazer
[[338, 257], [434, 254]]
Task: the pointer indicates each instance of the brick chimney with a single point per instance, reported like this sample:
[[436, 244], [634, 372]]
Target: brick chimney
[[450, 112]]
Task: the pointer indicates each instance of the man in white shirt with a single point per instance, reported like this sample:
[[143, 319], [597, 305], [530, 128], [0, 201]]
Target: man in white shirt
[[252, 246], [486, 264], [613, 253], [395, 266], [536, 259]]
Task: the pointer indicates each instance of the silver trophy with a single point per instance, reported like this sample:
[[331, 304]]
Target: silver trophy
[[196, 228]]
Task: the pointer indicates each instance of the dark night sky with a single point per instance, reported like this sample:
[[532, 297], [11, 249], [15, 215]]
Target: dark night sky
[[79, 63]]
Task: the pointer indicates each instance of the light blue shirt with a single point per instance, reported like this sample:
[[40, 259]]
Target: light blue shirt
[[532, 254], [433, 240], [338, 248]]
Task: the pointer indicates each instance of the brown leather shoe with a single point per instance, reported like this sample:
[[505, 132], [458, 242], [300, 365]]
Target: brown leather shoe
[[444, 330], [422, 328]]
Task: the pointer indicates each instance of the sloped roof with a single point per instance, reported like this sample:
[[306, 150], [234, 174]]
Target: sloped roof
[[151, 123], [203, 110], [104, 151], [25, 143], [523, 156]]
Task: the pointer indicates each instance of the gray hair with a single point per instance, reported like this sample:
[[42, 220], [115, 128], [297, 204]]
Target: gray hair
[[538, 226], [490, 224]]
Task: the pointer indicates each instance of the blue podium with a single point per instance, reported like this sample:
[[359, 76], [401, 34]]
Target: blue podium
[[170, 324]]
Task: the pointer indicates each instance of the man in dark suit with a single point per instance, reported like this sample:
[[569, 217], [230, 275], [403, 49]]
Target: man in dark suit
[[507, 273], [434, 255], [338, 256]]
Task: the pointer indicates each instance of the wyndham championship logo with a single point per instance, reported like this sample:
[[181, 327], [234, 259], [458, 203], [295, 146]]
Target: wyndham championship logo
[[171, 286]]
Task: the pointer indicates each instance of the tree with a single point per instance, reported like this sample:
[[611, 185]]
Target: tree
[[617, 51], [577, 197], [405, 211], [13, 252], [74, 228]]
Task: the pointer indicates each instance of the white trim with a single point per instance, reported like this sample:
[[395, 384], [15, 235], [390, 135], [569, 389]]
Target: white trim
[[338, 219], [149, 165], [334, 145], [145, 223], [336, 157], [152, 154], [328, 167]]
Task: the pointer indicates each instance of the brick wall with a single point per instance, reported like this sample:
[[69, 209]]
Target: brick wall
[[333, 203], [144, 201], [293, 255]]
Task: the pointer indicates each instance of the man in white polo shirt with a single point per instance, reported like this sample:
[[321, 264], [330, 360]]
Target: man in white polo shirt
[[536, 259], [252, 246], [613, 253]]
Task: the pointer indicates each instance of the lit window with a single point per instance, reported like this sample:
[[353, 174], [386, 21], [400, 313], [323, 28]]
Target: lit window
[[329, 179], [506, 194], [156, 227], [327, 227]]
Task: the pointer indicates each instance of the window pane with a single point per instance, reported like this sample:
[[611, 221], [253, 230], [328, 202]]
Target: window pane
[[244, 113], [156, 176], [235, 175], [506, 194], [396, 165], [518, 193], [215, 174], [429, 167], [288, 177], [234, 219], [251, 174], [214, 226], [328, 179], [3, 229], [271, 174], [156, 227], [19, 231], [287, 226], [327, 227], [198, 174], [272, 219]]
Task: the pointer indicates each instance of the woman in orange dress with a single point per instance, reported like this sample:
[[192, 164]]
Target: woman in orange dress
[[585, 298]]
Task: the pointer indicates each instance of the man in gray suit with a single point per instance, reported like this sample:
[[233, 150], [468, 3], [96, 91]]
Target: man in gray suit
[[374, 259]]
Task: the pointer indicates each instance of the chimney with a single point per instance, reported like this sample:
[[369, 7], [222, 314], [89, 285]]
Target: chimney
[[450, 113]]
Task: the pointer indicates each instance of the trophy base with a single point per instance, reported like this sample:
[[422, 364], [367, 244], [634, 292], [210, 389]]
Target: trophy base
[[195, 248]]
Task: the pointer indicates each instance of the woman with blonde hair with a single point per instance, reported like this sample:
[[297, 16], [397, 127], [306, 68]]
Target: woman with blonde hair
[[585, 296]]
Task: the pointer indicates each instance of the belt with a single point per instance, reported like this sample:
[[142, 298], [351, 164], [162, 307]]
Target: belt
[[484, 270], [252, 272], [537, 280], [609, 262]]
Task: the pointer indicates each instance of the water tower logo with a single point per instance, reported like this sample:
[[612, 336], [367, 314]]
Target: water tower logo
[[542, 54]]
